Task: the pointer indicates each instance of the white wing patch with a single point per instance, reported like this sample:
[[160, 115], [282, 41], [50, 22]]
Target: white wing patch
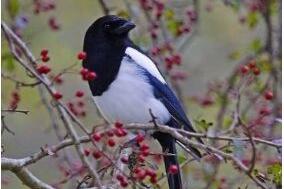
[[129, 98], [144, 62]]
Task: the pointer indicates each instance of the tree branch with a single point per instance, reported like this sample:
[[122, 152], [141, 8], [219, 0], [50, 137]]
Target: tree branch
[[23, 173]]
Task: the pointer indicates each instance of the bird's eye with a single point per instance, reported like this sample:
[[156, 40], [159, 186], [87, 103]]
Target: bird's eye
[[107, 26]]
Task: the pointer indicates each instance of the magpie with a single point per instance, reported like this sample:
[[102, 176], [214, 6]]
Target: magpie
[[129, 84]]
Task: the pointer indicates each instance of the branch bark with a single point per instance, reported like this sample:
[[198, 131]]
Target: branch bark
[[23, 173]]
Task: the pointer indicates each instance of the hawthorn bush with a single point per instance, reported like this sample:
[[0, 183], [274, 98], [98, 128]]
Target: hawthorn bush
[[53, 137]]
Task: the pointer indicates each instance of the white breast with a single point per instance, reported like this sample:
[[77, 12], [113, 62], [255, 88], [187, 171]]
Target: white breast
[[129, 98]]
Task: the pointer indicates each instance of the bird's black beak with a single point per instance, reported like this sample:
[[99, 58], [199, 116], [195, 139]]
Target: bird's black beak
[[124, 28]]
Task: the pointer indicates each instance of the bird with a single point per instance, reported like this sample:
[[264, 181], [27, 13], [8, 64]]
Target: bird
[[129, 84]]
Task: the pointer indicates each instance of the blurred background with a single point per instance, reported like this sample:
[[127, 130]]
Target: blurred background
[[219, 39]]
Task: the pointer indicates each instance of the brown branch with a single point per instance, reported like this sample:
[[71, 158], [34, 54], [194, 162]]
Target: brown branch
[[16, 111], [5, 127], [28, 179]]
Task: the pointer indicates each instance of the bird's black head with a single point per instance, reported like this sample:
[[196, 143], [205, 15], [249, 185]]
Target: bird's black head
[[110, 27], [105, 43]]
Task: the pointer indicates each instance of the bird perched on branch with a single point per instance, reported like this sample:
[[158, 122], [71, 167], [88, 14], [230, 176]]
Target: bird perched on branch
[[129, 84]]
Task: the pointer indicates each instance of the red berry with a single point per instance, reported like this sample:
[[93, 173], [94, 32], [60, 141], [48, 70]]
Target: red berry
[[141, 158], [87, 151], [44, 52], [151, 172], [137, 170], [81, 104], [117, 124], [145, 153], [97, 154], [155, 51], [58, 79], [111, 142], [43, 69], [91, 76], [144, 147], [173, 169], [16, 95], [256, 71], [252, 64], [124, 160], [139, 138], [82, 114], [57, 95], [120, 132], [79, 93], [244, 69], [177, 59], [153, 180], [124, 184], [70, 105], [265, 111], [140, 175], [154, 34], [110, 133], [268, 95], [186, 29], [119, 177], [96, 137], [223, 179], [158, 14], [84, 71], [82, 55], [53, 24], [45, 58]]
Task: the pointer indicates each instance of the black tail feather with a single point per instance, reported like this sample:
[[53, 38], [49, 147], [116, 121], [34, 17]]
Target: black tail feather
[[168, 146]]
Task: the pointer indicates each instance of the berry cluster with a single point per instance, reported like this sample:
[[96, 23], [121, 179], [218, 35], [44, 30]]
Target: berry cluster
[[77, 107], [46, 6], [250, 67], [43, 68]]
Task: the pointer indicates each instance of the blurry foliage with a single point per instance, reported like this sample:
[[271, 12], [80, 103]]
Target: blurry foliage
[[275, 171], [8, 61], [13, 7]]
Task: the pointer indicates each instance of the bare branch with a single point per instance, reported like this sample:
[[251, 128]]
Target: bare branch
[[28, 179]]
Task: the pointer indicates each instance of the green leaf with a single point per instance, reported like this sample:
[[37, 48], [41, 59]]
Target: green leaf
[[252, 19], [202, 124], [264, 64], [173, 26], [9, 62], [13, 7], [273, 7], [275, 171], [227, 122], [181, 159], [228, 149], [123, 14], [235, 55], [256, 45], [169, 14]]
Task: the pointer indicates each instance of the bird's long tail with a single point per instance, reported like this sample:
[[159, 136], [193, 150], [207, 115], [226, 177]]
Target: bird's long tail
[[168, 146]]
